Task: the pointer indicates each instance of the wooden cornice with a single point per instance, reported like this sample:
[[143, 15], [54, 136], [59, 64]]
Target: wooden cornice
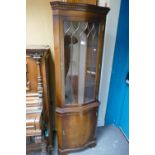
[[56, 5]]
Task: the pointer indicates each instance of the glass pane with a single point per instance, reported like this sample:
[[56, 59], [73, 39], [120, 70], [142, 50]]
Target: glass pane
[[80, 50], [91, 62]]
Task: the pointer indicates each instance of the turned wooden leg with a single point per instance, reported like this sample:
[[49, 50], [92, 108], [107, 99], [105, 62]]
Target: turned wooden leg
[[61, 152], [92, 144]]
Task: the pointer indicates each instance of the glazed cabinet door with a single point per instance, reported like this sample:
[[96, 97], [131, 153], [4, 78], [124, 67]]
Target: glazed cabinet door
[[78, 41], [80, 61]]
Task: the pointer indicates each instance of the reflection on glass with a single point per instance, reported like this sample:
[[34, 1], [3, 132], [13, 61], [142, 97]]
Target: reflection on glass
[[80, 54]]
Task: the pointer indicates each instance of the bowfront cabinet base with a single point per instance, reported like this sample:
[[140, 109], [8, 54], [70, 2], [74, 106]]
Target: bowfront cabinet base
[[76, 127]]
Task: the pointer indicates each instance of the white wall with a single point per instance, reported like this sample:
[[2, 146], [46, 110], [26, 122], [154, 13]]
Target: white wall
[[39, 24], [107, 61]]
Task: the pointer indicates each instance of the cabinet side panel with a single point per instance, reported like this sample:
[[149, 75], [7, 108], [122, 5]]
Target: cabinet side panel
[[99, 56], [59, 121], [58, 60]]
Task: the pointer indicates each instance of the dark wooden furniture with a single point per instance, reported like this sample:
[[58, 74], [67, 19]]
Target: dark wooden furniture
[[94, 2], [78, 44], [38, 109]]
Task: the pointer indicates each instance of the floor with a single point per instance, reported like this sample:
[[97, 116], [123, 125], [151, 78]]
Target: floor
[[110, 141]]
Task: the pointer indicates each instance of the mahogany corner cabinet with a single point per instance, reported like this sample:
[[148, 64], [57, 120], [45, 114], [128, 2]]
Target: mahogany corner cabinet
[[78, 45]]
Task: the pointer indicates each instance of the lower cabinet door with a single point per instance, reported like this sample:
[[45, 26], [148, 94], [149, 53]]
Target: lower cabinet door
[[76, 130]]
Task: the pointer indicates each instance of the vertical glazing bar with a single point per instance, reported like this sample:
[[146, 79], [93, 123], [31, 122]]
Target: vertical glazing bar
[[82, 64]]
